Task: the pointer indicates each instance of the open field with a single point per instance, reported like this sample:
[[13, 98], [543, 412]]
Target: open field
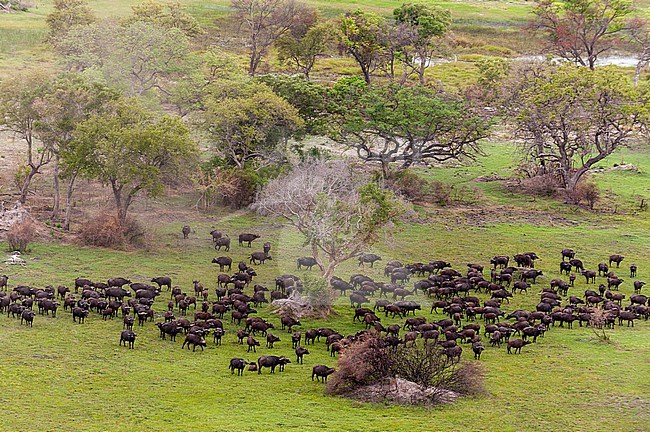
[[62, 376]]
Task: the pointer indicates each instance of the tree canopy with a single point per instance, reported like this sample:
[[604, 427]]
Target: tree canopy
[[581, 30], [247, 121], [405, 125], [132, 150], [570, 118]]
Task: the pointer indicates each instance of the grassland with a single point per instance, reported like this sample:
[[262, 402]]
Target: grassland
[[64, 376]]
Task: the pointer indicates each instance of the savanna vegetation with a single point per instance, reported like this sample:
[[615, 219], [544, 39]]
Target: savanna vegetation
[[141, 139]]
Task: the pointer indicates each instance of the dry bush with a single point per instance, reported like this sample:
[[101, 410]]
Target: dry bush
[[362, 363], [107, 231], [20, 234], [408, 184], [441, 193], [585, 191], [104, 230], [417, 189], [368, 362], [542, 185]]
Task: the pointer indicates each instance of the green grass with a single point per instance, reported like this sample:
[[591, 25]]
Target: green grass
[[80, 379]]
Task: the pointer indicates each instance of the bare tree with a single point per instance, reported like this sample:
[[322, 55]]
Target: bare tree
[[339, 213], [266, 21]]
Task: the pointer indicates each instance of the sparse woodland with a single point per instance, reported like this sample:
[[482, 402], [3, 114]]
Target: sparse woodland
[[417, 204]]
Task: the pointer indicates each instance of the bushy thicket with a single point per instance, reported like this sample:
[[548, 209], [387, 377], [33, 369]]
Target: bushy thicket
[[368, 361], [107, 231], [20, 235]]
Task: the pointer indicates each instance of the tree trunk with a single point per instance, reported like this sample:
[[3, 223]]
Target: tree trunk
[[57, 191], [24, 188], [637, 72], [329, 272], [68, 203]]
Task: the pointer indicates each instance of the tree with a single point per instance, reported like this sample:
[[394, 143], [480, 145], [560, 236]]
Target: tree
[[300, 50], [425, 24], [335, 208], [569, 118], [266, 21], [136, 57], [581, 30], [361, 36], [639, 36], [389, 124], [131, 149], [247, 121], [166, 15], [18, 114], [68, 14], [68, 101]]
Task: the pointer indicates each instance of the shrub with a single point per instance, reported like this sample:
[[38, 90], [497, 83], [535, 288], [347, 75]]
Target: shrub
[[318, 293], [408, 184], [362, 363], [368, 362], [20, 234], [104, 230], [585, 191]]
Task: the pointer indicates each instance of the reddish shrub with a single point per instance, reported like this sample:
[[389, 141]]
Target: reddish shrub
[[20, 235]]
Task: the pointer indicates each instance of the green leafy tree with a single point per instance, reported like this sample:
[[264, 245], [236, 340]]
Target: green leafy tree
[[581, 30], [166, 15], [570, 119], [404, 125], [132, 150], [246, 121], [308, 97], [136, 57], [19, 115], [361, 33], [336, 209], [69, 100], [68, 14], [301, 50], [424, 25]]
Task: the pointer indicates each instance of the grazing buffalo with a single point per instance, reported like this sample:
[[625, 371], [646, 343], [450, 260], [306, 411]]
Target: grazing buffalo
[[568, 253], [163, 281], [118, 282], [517, 344], [308, 262], [615, 258], [259, 256], [222, 242], [247, 238], [223, 262], [186, 231], [128, 336], [321, 372], [238, 364], [267, 247], [633, 270], [501, 261], [3, 281], [272, 362], [194, 340], [369, 258]]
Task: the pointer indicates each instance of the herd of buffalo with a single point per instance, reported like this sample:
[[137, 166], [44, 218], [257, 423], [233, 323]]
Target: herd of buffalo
[[467, 319]]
